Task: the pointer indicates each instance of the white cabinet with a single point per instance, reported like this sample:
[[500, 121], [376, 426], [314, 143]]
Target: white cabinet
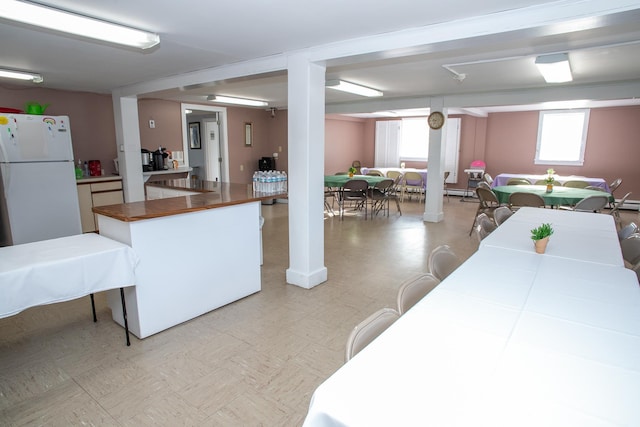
[[97, 192]]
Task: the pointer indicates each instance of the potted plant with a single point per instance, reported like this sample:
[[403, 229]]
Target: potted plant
[[540, 236], [550, 179], [352, 171]]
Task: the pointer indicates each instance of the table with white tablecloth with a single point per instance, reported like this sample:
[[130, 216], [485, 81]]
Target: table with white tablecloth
[[510, 338], [62, 269], [577, 235], [503, 179]]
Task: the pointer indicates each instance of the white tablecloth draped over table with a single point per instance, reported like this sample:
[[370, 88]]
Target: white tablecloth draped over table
[[503, 178], [577, 235], [510, 338], [62, 269]]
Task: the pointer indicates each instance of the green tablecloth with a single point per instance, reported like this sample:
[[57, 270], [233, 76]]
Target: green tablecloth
[[339, 180], [559, 196]]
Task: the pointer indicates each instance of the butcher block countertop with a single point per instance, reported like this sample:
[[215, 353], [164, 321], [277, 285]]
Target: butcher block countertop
[[214, 195]]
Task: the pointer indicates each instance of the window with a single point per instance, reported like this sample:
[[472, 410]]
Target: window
[[414, 143], [562, 136], [408, 139]]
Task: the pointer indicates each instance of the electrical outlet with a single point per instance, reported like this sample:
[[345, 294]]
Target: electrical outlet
[[241, 168], [152, 124], [280, 148]]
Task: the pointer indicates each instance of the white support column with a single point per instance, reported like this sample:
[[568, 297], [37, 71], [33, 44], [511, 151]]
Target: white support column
[[125, 111], [435, 174], [306, 172]]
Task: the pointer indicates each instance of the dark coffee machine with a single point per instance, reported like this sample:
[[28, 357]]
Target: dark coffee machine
[[158, 160]]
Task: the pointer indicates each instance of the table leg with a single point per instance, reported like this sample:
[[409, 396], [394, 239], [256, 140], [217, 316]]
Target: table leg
[[124, 316], [93, 308]]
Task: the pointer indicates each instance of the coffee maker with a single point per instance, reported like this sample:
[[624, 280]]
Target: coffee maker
[[158, 159], [267, 164], [146, 160]]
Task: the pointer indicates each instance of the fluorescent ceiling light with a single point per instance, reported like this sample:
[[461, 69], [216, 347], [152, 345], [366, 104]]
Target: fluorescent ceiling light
[[66, 22], [20, 75], [239, 101], [352, 88], [554, 68]]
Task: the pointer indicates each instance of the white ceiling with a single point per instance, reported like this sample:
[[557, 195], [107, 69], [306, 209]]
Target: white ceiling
[[411, 50]]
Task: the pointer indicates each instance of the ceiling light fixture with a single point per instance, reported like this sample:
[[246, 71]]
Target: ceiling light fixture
[[20, 75], [352, 88], [67, 22], [554, 68], [239, 101]]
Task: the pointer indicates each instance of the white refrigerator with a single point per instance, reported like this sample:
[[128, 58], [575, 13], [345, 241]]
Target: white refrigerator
[[38, 194]]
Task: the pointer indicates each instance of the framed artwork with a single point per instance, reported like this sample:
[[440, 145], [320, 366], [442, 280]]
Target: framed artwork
[[248, 134], [194, 135]]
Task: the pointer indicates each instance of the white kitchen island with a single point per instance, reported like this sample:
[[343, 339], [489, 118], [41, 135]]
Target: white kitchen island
[[197, 253]]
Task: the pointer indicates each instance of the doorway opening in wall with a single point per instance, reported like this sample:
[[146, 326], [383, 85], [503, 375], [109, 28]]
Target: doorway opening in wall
[[211, 162]]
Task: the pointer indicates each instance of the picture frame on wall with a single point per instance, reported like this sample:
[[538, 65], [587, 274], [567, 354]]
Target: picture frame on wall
[[194, 136], [248, 134]]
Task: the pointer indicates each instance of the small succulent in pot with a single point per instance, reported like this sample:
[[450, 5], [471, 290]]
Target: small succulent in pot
[[538, 233]]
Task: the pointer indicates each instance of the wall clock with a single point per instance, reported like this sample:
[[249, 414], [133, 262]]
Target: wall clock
[[436, 120]]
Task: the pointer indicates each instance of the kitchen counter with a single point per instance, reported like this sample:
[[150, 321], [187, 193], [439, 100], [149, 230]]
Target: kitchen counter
[[214, 195], [196, 252]]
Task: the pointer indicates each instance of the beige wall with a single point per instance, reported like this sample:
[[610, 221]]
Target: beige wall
[[241, 156], [168, 121]]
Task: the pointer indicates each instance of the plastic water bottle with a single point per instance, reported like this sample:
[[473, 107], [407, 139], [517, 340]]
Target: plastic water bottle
[[255, 181], [285, 186], [270, 182]]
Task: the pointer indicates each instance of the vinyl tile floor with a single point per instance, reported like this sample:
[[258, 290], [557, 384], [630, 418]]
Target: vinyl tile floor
[[255, 362]]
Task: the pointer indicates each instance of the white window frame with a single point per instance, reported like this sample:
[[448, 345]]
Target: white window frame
[[424, 143], [582, 139]]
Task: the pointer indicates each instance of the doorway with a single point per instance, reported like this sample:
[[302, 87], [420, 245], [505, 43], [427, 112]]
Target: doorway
[[212, 160], [212, 149]]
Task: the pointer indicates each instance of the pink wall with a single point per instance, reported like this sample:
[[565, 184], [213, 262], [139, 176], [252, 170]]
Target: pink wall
[[472, 145], [90, 115], [345, 141], [612, 146], [505, 141]]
